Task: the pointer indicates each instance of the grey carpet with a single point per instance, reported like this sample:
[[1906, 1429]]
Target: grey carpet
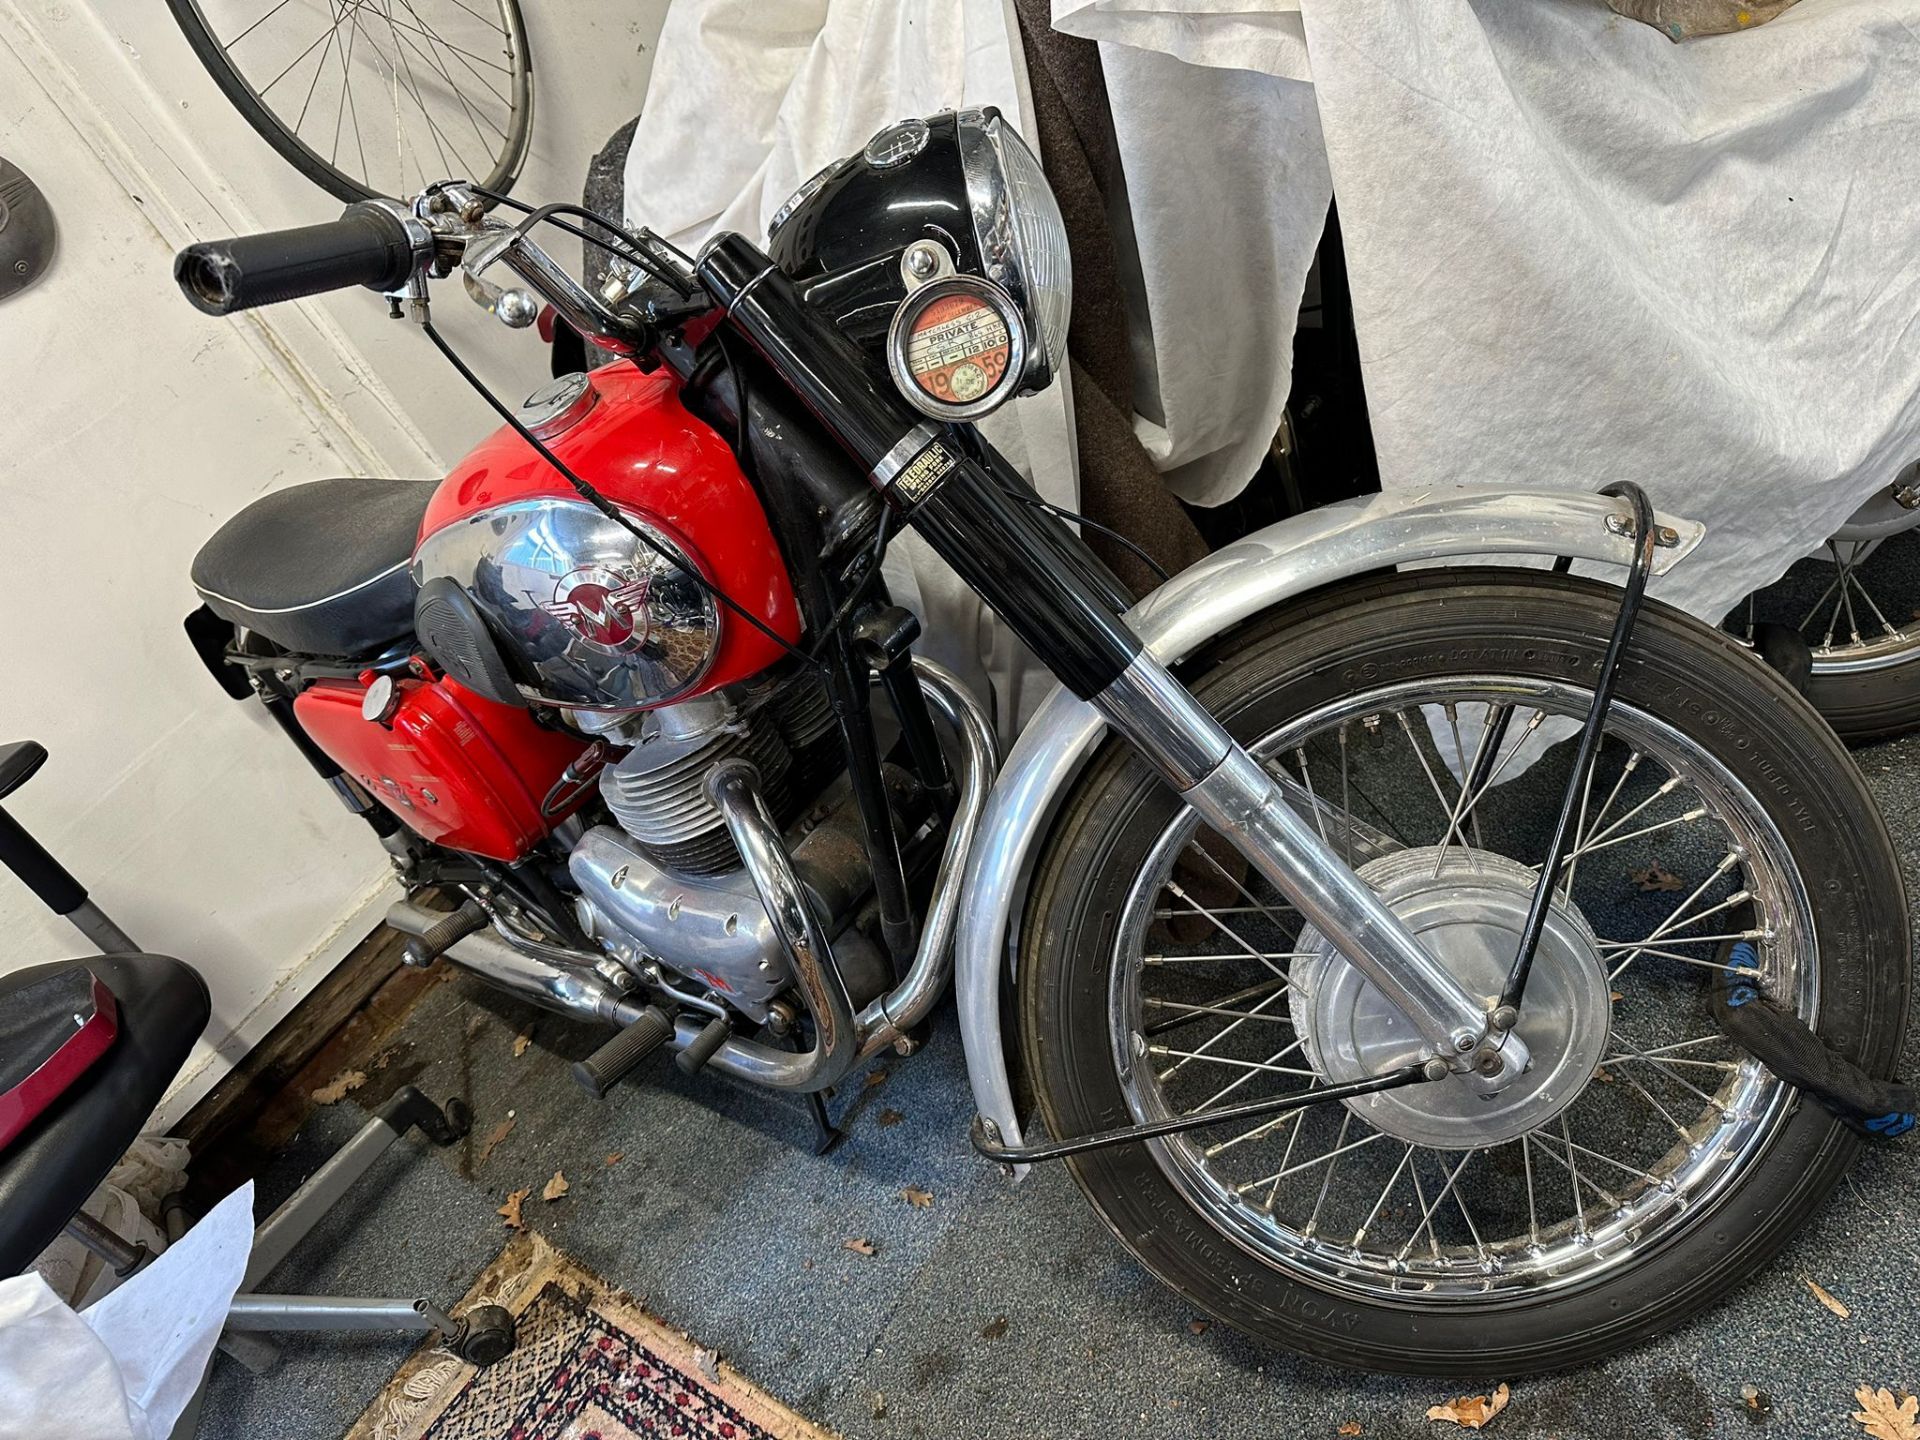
[[720, 1217]]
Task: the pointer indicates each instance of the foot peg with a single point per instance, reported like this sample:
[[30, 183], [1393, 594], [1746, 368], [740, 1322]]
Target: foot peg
[[440, 937], [704, 1047], [608, 1065]]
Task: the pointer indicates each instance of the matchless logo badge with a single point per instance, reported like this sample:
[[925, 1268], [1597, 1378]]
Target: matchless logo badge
[[604, 606]]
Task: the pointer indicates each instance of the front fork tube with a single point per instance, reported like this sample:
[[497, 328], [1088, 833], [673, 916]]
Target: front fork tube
[[1014, 557], [1060, 600]]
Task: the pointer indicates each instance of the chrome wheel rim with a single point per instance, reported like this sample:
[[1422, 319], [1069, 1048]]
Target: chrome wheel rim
[[1857, 621], [1200, 1012]]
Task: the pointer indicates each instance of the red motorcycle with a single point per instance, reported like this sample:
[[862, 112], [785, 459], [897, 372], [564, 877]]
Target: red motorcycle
[[1369, 1019]]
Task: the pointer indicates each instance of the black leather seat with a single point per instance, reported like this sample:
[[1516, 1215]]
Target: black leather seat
[[320, 568], [47, 1173]]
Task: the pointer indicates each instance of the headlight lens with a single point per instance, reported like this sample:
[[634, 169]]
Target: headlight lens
[[1022, 239]]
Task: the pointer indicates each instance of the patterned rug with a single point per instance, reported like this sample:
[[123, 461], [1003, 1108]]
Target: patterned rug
[[590, 1364]]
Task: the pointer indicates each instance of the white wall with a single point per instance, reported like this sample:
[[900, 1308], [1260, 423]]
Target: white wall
[[135, 426]]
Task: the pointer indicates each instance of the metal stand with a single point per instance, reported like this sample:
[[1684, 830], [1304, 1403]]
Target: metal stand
[[485, 1334]]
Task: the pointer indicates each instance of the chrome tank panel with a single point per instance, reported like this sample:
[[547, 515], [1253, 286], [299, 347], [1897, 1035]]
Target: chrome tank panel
[[598, 619]]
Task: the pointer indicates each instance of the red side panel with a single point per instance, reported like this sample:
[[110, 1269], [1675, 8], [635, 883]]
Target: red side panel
[[640, 448], [457, 768]]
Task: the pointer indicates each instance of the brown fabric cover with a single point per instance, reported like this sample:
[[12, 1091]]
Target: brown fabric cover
[[1118, 485], [1683, 19]]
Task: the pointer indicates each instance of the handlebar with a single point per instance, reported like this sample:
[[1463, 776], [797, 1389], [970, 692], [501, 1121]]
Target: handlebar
[[369, 245]]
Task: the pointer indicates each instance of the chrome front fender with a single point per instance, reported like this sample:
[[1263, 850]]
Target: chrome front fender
[[1229, 586]]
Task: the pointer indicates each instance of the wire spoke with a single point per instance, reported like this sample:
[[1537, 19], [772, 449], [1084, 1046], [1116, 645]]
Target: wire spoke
[[1206, 1047], [319, 40], [229, 44], [1339, 1148], [1380, 1204], [1426, 1213], [1250, 952], [452, 84]]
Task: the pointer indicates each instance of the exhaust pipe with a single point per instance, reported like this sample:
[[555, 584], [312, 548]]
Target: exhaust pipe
[[560, 980]]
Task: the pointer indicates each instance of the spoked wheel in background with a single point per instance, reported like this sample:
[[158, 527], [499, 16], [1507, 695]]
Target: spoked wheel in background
[[1645, 1164], [1857, 605], [371, 98]]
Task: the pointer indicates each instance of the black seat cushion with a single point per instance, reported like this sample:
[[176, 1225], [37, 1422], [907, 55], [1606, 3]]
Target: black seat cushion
[[60, 1159], [320, 568]]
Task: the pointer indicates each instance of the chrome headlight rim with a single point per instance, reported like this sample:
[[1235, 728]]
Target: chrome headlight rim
[[987, 145]]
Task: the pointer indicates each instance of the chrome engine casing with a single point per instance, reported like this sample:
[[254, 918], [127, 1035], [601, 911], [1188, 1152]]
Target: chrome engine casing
[[712, 928]]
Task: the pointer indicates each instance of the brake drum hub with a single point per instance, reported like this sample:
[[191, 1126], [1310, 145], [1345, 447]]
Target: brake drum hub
[[1469, 918]]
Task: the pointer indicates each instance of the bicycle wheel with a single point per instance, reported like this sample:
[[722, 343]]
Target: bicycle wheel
[[371, 98]]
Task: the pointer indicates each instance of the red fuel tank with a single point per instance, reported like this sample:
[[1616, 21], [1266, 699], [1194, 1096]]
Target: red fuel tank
[[457, 768], [593, 617]]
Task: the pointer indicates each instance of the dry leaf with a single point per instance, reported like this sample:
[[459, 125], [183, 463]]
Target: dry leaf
[[878, 1077], [335, 1090], [1349, 1427], [1828, 1299], [994, 1328], [1198, 1327], [1600, 1074], [555, 1188], [1654, 877], [1881, 1418], [614, 1157], [520, 1043], [860, 1246], [512, 1209], [708, 1363], [918, 1198], [493, 1139], [1471, 1411], [1615, 996], [889, 1116]]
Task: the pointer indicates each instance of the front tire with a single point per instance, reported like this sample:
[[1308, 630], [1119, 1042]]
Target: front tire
[[1808, 846]]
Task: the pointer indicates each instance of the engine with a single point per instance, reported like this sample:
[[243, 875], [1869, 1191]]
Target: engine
[[657, 793], [663, 890]]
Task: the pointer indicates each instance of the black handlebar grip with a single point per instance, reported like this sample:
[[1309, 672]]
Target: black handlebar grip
[[369, 245]]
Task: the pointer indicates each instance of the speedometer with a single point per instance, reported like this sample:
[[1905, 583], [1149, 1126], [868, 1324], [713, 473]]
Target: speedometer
[[956, 347]]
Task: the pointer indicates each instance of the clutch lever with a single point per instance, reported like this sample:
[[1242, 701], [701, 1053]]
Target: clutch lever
[[512, 305]]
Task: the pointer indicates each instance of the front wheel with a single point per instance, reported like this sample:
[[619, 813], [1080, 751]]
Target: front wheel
[[1645, 1165]]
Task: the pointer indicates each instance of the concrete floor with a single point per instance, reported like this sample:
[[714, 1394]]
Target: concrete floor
[[1000, 1311]]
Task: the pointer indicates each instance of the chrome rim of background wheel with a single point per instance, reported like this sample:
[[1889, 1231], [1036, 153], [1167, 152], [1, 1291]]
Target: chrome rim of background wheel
[[1864, 617], [377, 97], [1648, 1111]]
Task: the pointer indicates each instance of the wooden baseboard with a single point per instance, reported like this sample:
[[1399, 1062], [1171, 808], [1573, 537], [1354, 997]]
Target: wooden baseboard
[[244, 1091]]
